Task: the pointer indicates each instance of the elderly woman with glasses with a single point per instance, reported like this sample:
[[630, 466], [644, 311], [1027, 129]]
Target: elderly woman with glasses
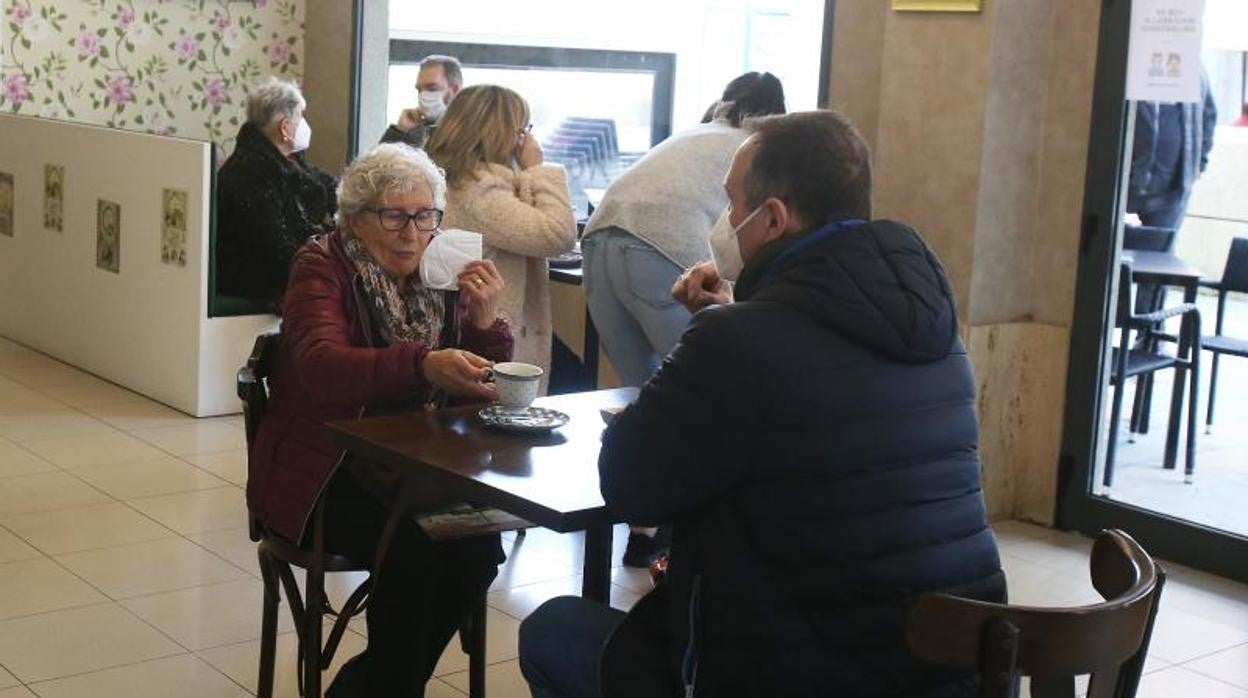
[[362, 336], [501, 187]]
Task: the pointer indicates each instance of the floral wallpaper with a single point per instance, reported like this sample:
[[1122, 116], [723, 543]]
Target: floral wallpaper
[[172, 67]]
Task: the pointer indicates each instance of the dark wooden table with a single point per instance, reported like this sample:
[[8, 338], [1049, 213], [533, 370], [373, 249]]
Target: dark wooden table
[[550, 480], [1168, 269]]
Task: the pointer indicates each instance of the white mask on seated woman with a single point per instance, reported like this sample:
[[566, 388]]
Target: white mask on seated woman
[[446, 256]]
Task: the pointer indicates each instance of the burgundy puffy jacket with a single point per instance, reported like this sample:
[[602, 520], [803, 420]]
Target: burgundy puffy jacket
[[332, 364]]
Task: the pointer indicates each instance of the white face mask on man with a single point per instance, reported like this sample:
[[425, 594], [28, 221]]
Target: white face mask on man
[[432, 104], [302, 138], [725, 249], [445, 257]]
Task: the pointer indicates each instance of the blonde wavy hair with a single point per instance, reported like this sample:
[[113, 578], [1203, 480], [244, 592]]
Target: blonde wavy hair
[[481, 125]]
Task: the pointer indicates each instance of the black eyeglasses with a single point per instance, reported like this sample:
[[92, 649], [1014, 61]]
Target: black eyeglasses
[[395, 219]]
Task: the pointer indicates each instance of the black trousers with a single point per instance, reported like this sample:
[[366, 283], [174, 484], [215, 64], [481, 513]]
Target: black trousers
[[425, 589]]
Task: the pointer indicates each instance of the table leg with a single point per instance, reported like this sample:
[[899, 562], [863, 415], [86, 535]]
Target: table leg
[[1180, 375], [596, 584]]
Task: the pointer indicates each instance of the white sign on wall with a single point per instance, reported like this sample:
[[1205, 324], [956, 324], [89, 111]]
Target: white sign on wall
[[1163, 61]]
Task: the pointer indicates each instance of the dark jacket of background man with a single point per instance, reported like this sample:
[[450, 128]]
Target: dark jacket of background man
[[1170, 151], [268, 205], [815, 445]]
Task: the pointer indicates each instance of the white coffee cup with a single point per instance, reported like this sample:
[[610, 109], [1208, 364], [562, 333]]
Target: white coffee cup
[[517, 383]]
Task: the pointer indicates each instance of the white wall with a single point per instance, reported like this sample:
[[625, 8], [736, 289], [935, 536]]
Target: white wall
[[145, 328]]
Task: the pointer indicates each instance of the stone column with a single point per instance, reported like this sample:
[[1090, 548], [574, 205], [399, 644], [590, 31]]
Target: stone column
[[979, 124]]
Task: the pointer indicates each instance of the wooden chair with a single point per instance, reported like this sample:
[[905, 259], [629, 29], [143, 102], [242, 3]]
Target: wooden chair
[[1107, 640], [277, 556], [1234, 278]]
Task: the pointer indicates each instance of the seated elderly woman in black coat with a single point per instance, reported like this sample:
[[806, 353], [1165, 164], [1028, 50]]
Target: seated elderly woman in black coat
[[269, 199]]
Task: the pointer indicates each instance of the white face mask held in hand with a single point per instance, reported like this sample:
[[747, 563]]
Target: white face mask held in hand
[[724, 247], [302, 138], [446, 256], [432, 106]]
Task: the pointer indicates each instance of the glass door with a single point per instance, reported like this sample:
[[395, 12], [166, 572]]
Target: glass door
[[1157, 332]]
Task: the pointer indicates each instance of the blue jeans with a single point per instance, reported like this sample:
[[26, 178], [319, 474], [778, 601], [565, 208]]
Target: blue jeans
[[561, 647], [628, 287]]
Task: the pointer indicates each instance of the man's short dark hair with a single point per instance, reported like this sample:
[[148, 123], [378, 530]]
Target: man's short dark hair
[[451, 68], [816, 161]]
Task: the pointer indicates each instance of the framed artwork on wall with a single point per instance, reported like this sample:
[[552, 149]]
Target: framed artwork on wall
[[173, 227], [54, 197], [938, 5], [108, 236], [6, 204]]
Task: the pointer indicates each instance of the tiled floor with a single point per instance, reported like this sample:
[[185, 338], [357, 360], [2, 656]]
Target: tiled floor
[[125, 568], [1216, 497]]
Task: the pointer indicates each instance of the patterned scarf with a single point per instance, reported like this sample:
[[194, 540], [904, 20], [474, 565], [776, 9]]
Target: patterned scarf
[[412, 316]]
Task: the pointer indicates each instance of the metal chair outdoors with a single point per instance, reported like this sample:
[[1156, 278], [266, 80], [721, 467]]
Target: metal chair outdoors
[[1234, 278], [1107, 640], [277, 556], [1144, 358]]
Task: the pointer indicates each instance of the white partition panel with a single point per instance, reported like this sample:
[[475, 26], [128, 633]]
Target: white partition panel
[[145, 327]]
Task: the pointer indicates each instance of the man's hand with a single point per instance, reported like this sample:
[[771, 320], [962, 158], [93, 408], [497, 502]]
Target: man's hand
[[410, 119], [459, 373], [701, 286]]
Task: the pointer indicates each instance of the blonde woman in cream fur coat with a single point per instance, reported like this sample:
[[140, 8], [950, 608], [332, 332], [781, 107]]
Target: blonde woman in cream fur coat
[[523, 210]]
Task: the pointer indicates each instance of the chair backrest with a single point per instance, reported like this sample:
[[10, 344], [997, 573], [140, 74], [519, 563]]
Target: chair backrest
[[1235, 274], [1143, 237], [253, 388], [1108, 640], [1125, 303]]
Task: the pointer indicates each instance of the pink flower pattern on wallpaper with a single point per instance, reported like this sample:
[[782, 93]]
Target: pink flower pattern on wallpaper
[[173, 68]]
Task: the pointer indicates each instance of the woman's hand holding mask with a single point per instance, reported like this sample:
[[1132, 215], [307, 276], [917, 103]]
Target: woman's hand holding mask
[[481, 284]]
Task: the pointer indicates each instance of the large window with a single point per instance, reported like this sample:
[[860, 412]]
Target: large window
[[606, 81]]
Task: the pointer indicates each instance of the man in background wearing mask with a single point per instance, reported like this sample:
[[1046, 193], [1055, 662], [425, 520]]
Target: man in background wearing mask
[[814, 446], [439, 80], [269, 198]]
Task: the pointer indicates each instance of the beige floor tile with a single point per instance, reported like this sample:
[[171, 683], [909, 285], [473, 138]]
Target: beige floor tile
[[197, 512], [635, 580], [13, 548], [129, 416], [155, 566], [199, 437], [46, 426], [45, 492], [1230, 666], [1179, 636], [47, 375], [1179, 682], [227, 465], [15, 460], [208, 616], [74, 641], [184, 676], [525, 567], [39, 586], [21, 400], [94, 450], [241, 662], [85, 528], [502, 680], [92, 394], [7, 680], [151, 478], [233, 544], [519, 602], [501, 644], [16, 692]]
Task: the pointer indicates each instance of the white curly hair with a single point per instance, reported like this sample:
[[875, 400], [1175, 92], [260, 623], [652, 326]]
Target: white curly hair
[[386, 169]]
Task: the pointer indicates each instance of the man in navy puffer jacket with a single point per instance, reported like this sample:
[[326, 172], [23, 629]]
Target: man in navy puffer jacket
[[814, 445]]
